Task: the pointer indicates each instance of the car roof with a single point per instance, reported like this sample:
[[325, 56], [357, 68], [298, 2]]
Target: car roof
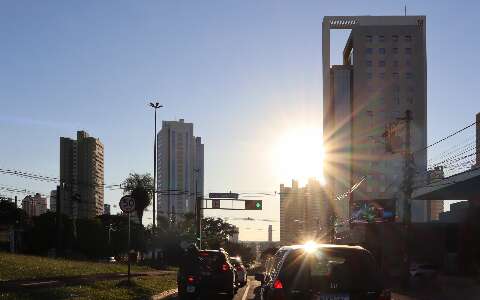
[[324, 246]]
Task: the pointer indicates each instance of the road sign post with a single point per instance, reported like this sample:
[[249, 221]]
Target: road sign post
[[127, 205], [253, 205]]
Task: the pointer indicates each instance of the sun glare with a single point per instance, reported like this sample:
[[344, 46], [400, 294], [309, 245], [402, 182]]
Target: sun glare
[[299, 155]]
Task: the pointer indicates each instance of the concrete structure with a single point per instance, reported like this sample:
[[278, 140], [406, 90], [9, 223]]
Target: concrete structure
[[366, 99], [270, 233], [82, 173], [304, 213], [435, 207], [53, 200], [106, 209], [34, 205], [458, 213], [180, 169]]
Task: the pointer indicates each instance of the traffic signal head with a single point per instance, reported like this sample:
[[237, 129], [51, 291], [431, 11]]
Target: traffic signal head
[[253, 204]]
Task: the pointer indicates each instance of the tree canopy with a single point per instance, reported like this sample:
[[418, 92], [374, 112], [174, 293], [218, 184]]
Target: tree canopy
[[140, 187]]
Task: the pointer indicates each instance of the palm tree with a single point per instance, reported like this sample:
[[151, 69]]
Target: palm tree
[[140, 187]]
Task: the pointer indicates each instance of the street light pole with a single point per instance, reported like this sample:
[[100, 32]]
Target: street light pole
[[155, 105]]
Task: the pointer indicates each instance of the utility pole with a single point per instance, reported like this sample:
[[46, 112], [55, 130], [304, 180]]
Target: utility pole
[[59, 219], [155, 106], [198, 211], [407, 191]]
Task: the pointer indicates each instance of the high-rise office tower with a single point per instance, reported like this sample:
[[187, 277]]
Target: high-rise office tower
[[82, 174], [368, 99], [34, 205], [180, 169]]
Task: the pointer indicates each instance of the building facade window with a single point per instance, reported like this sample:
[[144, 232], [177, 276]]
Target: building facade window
[[395, 50], [381, 38], [409, 75], [408, 51], [381, 75], [408, 38], [394, 38], [369, 50], [382, 51], [368, 38], [369, 75], [381, 63], [396, 75], [368, 63]]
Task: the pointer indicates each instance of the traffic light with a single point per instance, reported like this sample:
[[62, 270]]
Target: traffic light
[[253, 204]]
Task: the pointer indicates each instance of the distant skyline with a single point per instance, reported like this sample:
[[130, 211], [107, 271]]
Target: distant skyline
[[244, 73]]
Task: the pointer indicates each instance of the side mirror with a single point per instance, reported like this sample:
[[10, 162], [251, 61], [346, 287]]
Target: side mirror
[[260, 277]]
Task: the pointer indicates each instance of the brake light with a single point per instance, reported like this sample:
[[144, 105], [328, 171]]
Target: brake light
[[277, 284], [225, 267], [190, 279]]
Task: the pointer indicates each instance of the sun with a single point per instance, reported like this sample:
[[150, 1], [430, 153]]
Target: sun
[[299, 155]]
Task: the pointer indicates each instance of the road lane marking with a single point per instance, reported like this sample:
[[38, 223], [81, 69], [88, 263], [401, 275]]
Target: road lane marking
[[245, 295]]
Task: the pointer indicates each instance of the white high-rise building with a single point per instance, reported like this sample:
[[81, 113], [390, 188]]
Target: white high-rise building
[[180, 169], [367, 98]]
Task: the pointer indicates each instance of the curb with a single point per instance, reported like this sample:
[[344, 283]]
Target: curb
[[165, 295]]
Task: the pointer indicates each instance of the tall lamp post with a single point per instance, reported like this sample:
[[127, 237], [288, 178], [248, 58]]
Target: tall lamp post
[[155, 105]]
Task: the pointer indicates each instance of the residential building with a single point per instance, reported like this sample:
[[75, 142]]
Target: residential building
[[369, 100], [82, 176], [304, 213], [435, 207], [106, 209], [458, 213], [34, 205], [180, 169]]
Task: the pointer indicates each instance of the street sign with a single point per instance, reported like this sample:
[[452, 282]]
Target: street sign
[[216, 203], [223, 195], [127, 204], [253, 204]]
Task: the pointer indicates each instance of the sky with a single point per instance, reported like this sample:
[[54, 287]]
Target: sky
[[246, 73]]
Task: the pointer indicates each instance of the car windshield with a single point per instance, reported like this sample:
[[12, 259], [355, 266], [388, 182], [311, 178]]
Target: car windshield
[[330, 269]]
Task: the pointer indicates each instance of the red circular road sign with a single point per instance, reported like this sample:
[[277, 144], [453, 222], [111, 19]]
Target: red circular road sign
[[127, 204]]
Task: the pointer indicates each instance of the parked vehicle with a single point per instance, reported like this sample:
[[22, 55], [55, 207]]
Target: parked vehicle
[[240, 271], [323, 272]]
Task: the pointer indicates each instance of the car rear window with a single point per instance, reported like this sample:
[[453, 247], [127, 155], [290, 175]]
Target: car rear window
[[330, 269], [211, 258]]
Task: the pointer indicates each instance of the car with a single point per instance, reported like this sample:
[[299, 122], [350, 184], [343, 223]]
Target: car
[[323, 272], [217, 273], [240, 271], [423, 270]]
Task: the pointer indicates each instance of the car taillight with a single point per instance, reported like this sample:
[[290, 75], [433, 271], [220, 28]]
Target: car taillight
[[385, 295], [190, 279], [277, 284], [225, 267]]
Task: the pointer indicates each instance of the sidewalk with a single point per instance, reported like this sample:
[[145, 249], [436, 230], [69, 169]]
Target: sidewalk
[[440, 288], [53, 282]]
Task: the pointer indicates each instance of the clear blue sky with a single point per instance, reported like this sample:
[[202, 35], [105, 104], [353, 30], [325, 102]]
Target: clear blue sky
[[242, 71]]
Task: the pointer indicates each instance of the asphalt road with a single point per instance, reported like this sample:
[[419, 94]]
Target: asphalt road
[[248, 292]]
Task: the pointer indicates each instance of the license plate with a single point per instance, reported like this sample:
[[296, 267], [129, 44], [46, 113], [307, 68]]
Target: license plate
[[332, 297], [190, 289]]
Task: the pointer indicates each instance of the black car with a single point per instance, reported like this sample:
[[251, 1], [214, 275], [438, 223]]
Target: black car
[[323, 272], [215, 276]]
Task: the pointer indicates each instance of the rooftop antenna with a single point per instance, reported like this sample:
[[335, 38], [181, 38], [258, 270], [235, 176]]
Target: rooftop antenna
[[405, 10]]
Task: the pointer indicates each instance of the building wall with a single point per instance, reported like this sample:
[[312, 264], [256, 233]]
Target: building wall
[[303, 213], [179, 155], [34, 205], [82, 172], [388, 59]]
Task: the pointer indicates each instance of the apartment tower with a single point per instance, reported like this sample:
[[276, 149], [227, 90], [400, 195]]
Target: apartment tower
[[82, 174], [180, 169]]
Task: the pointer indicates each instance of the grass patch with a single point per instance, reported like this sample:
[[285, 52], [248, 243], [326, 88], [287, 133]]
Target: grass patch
[[141, 288], [16, 266]]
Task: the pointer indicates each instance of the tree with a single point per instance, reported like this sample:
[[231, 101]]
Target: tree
[[10, 214], [243, 251], [140, 187], [216, 232]]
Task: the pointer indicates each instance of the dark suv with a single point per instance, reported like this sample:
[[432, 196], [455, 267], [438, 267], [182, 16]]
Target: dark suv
[[215, 275], [322, 272]]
